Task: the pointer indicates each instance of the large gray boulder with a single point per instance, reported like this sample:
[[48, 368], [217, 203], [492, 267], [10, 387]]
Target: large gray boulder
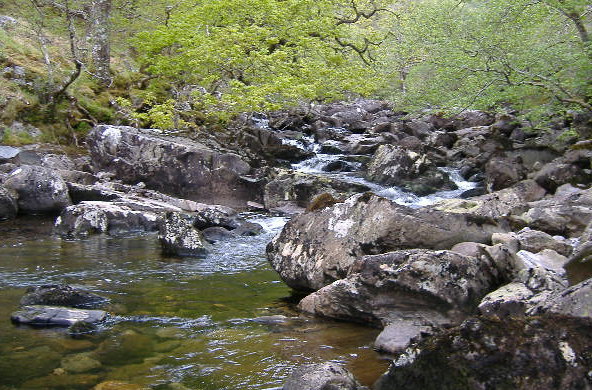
[[395, 166], [322, 376], [575, 301], [427, 287], [39, 190], [173, 165], [317, 248], [290, 190], [488, 353]]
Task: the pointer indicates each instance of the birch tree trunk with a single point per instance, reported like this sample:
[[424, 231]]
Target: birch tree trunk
[[99, 40]]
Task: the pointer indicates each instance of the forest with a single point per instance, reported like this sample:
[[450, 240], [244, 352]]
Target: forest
[[192, 65]]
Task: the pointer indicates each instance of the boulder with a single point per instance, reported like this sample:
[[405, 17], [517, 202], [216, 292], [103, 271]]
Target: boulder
[[56, 316], [501, 173], [112, 218], [399, 334], [394, 166], [297, 189], [533, 241], [490, 353], [179, 238], [554, 174], [319, 247], [322, 376], [524, 295], [217, 233], [497, 205], [425, 287], [173, 165], [575, 301], [567, 213], [8, 204], [61, 295], [39, 190], [215, 216]]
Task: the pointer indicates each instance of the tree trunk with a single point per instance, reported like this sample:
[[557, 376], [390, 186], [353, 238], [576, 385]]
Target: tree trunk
[[99, 39]]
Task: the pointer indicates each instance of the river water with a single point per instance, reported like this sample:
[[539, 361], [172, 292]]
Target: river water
[[224, 321], [195, 323]]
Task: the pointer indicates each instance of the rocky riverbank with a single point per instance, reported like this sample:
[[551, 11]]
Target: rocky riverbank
[[381, 231]]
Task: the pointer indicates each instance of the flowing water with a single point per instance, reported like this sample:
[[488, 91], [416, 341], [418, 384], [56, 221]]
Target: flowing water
[[220, 322]]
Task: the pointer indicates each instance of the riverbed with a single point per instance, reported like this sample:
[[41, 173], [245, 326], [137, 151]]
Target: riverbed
[[224, 321]]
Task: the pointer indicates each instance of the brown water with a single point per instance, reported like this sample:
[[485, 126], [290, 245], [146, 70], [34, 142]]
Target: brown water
[[174, 323]]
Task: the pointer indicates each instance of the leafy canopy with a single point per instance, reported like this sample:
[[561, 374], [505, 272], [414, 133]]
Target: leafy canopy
[[223, 57]]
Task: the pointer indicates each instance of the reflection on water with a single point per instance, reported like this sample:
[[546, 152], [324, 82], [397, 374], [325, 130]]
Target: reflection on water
[[174, 324]]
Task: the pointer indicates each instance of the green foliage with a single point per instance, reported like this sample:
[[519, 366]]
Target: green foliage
[[231, 56], [486, 54]]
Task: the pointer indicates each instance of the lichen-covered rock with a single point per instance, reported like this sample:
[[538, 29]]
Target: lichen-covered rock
[[173, 165], [393, 165], [8, 204], [297, 189], [430, 287], [547, 353], [179, 238], [317, 248], [567, 213], [497, 205], [56, 316], [61, 295], [39, 190], [113, 218], [533, 241], [322, 376], [575, 301]]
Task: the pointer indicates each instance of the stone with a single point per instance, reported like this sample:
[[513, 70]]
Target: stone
[[429, 288], [112, 218], [497, 205], [394, 166], [8, 204], [492, 353], [575, 301], [509, 300], [215, 216], [298, 189], [501, 173], [322, 376], [56, 316], [398, 335], [533, 241], [173, 165], [7, 153], [118, 385], [80, 363], [39, 190], [567, 213], [317, 248], [547, 259], [554, 174], [217, 233], [178, 237], [61, 295]]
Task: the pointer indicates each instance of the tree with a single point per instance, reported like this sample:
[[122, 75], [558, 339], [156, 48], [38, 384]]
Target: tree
[[482, 54], [222, 57]]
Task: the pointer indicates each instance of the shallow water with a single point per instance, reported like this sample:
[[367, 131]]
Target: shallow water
[[174, 323]]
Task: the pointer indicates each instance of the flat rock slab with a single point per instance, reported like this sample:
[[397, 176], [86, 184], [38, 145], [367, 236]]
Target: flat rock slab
[[56, 316]]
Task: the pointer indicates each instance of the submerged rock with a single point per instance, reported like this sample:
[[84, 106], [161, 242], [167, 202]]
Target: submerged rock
[[56, 316], [39, 190], [317, 248], [322, 376], [179, 238], [548, 353], [61, 295]]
